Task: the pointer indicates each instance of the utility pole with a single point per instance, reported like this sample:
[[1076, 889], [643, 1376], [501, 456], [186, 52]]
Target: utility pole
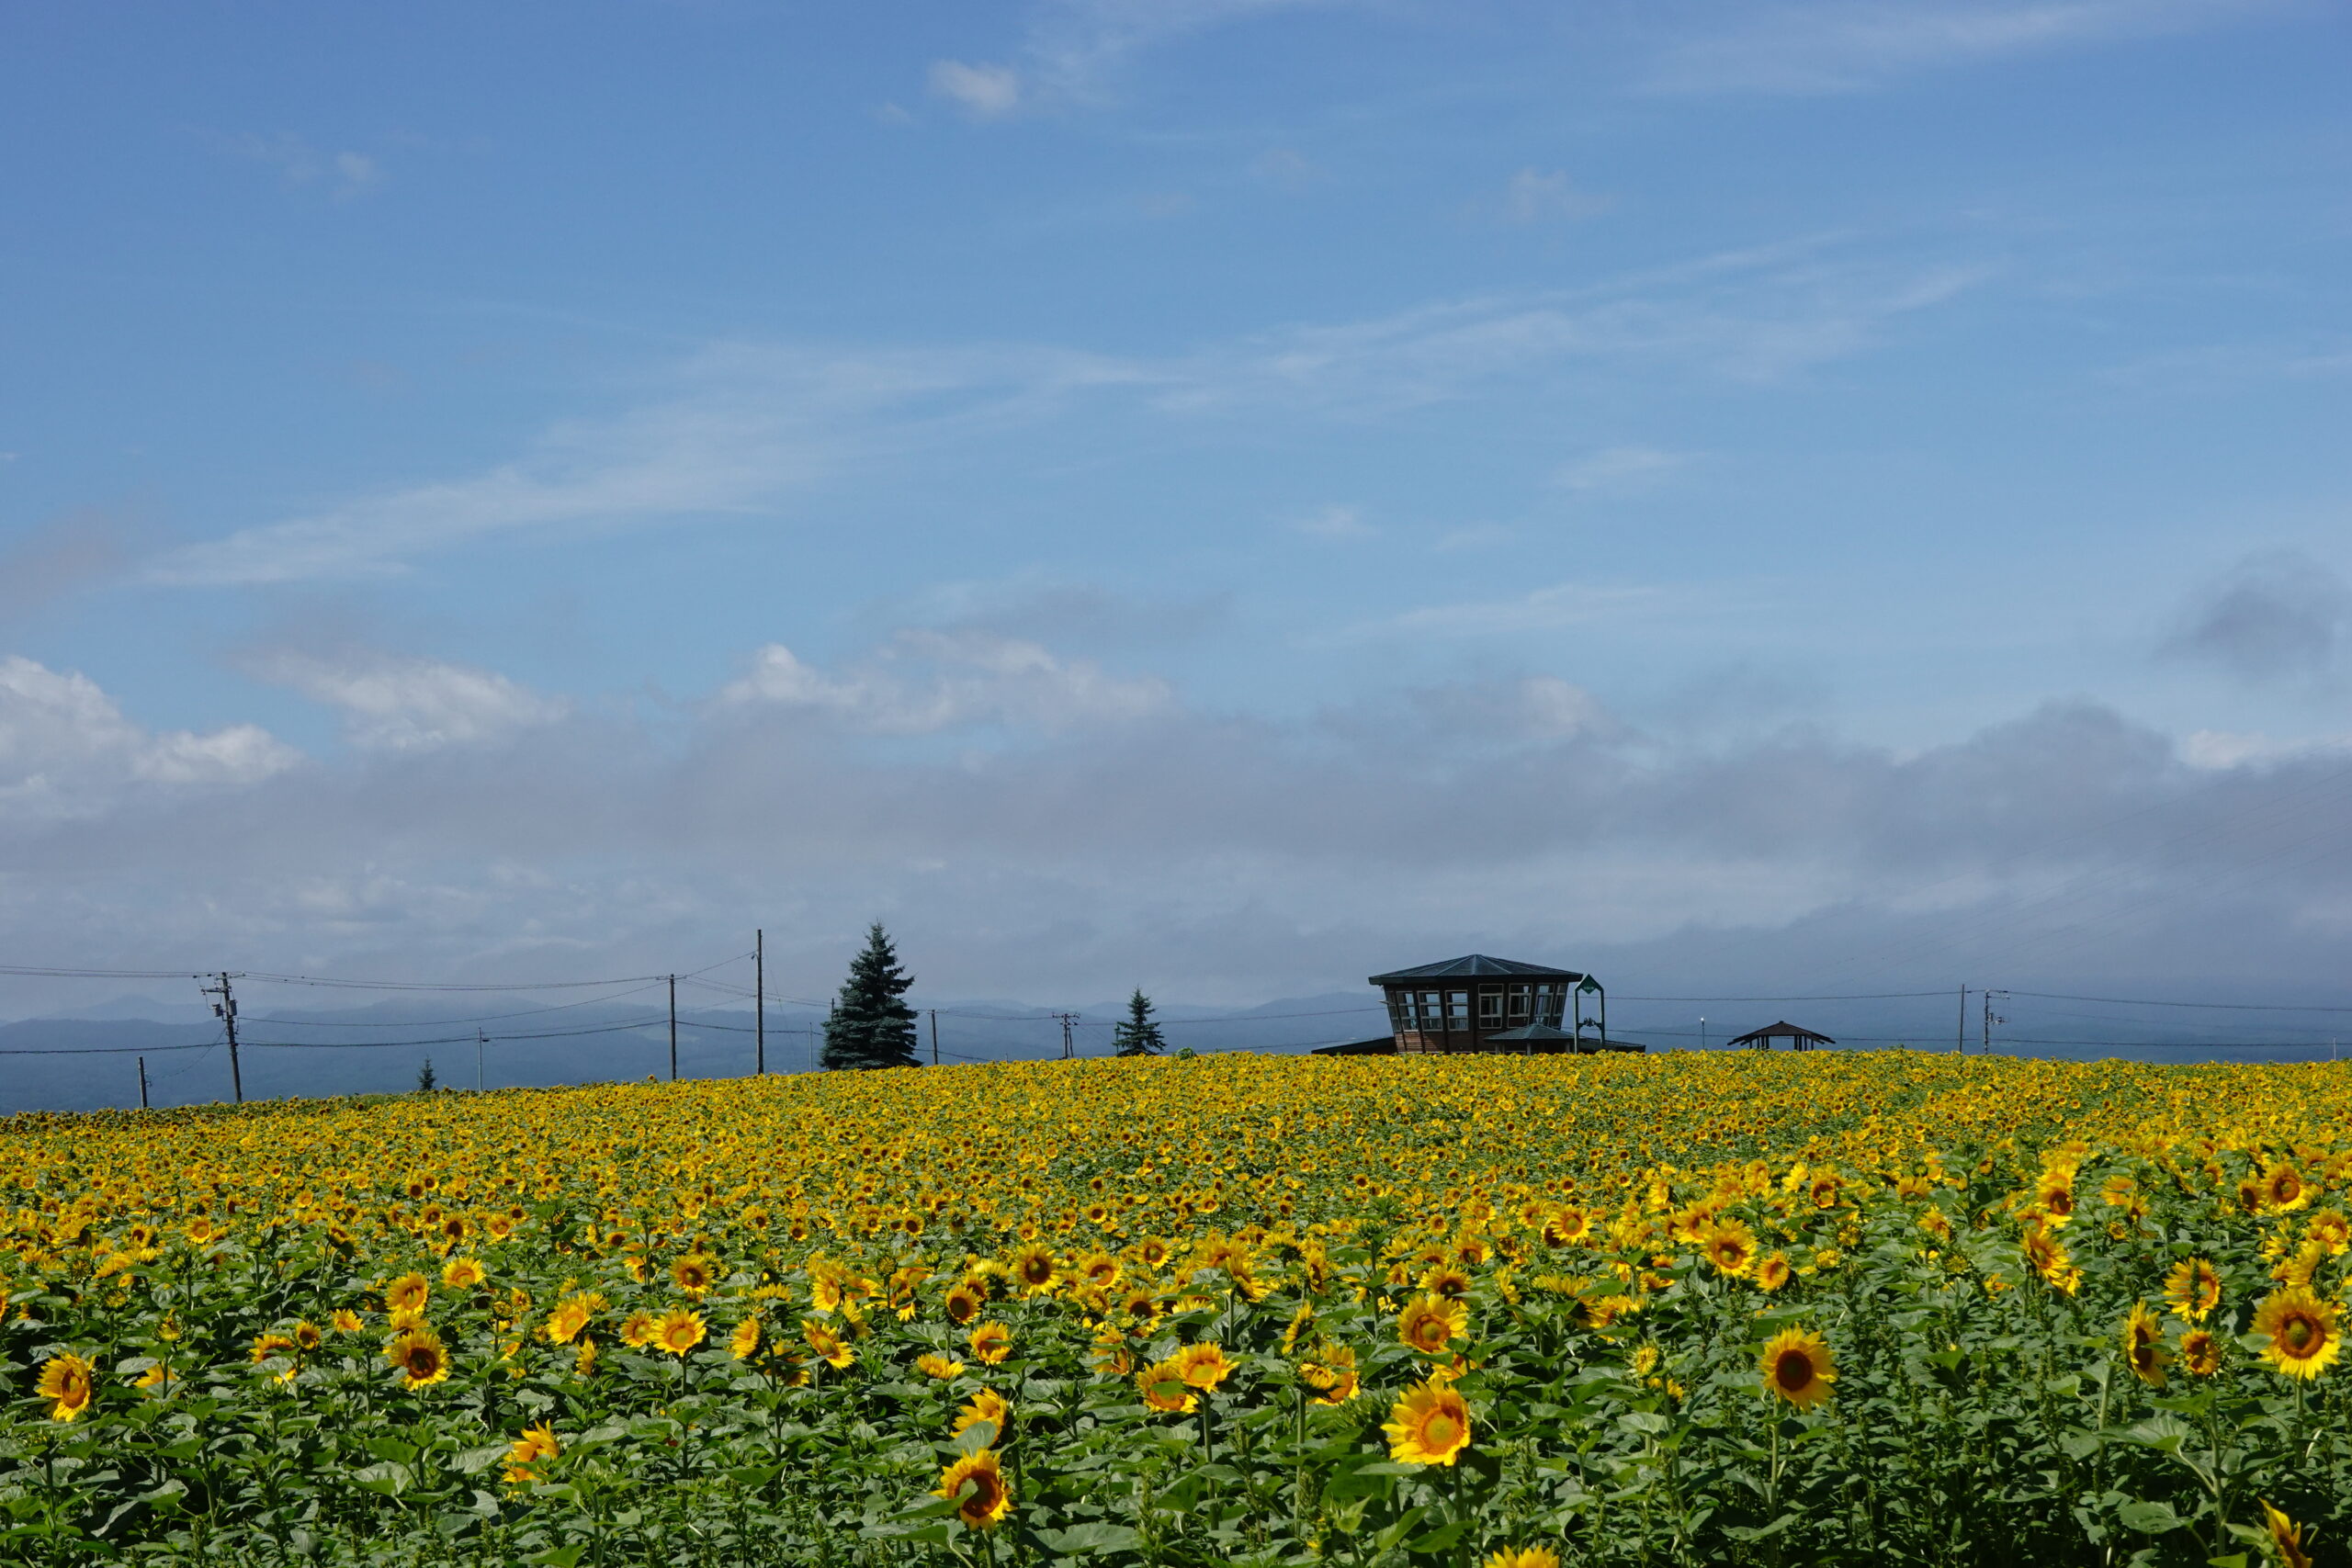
[[225, 1010], [673, 1029], [934, 1037], [142, 1083], [760, 1003], [1068, 1050], [1991, 1019], [480, 1040], [1702, 1031], [1960, 1041]]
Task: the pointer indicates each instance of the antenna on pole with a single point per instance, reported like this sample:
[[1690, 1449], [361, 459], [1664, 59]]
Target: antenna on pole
[[1069, 1049], [225, 1010]]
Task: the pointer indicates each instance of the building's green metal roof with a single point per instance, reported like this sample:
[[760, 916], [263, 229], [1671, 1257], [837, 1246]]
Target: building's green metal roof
[[1476, 966]]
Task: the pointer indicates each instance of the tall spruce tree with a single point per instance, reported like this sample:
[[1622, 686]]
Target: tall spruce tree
[[871, 1026], [1139, 1035]]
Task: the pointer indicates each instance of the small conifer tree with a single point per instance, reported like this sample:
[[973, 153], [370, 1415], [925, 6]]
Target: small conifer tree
[[871, 1026], [1139, 1035], [425, 1081]]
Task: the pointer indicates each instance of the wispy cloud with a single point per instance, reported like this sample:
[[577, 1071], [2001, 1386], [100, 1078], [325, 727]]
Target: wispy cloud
[[986, 92], [1075, 51], [1839, 46], [1335, 523], [1536, 196], [343, 175], [1619, 470], [1556, 607], [926, 682], [389, 703], [739, 429]]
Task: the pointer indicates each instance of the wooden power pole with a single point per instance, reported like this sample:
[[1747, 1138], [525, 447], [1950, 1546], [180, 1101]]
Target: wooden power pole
[[759, 1003], [225, 1010]]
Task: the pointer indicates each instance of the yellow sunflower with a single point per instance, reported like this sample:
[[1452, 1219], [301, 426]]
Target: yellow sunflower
[[537, 1443], [1430, 1323], [835, 1350], [2193, 1289], [406, 1294], [1797, 1367], [2283, 1189], [2143, 1345], [680, 1330], [570, 1315], [2305, 1339], [991, 1342], [744, 1342], [1098, 1270], [936, 1366], [420, 1356], [2200, 1353], [1164, 1389], [1772, 1272], [986, 1405], [2329, 1229], [978, 1484], [693, 1274], [346, 1321], [1730, 1246], [66, 1383], [462, 1273], [2287, 1537], [1034, 1268], [963, 1304], [1431, 1425], [1332, 1374], [1202, 1366], [639, 1329], [1524, 1557]]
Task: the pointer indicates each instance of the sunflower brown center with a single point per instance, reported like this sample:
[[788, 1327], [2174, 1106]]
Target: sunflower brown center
[[1442, 1430], [1793, 1370]]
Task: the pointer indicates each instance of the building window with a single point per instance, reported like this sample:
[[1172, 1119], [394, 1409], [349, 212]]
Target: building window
[[1519, 998], [1457, 1009], [1490, 1008]]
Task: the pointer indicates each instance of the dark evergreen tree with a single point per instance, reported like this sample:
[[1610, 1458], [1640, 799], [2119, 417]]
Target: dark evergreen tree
[[871, 1026], [1140, 1036], [426, 1082]]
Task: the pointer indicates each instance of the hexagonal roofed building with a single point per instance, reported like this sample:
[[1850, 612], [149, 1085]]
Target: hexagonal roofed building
[[1479, 1003]]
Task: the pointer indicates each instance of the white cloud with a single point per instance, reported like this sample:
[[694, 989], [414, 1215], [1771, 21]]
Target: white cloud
[[1556, 608], [987, 92], [1336, 523], [739, 428], [1533, 197], [2223, 749], [1618, 471], [66, 749], [343, 175], [1837, 46], [926, 682], [410, 704]]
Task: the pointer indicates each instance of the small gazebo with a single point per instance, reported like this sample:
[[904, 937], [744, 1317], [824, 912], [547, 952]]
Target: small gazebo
[[1798, 1039]]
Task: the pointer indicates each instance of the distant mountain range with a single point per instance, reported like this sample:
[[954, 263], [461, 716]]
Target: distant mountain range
[[89, 1059]]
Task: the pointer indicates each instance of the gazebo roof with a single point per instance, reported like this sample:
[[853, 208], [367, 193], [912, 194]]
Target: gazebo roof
[[1784, 1030], [1475, 966]]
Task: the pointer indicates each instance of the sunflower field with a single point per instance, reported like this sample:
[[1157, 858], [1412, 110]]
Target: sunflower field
[[1693, 1308]]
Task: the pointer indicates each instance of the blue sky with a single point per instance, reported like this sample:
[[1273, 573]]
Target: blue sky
[[1225, 494]]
